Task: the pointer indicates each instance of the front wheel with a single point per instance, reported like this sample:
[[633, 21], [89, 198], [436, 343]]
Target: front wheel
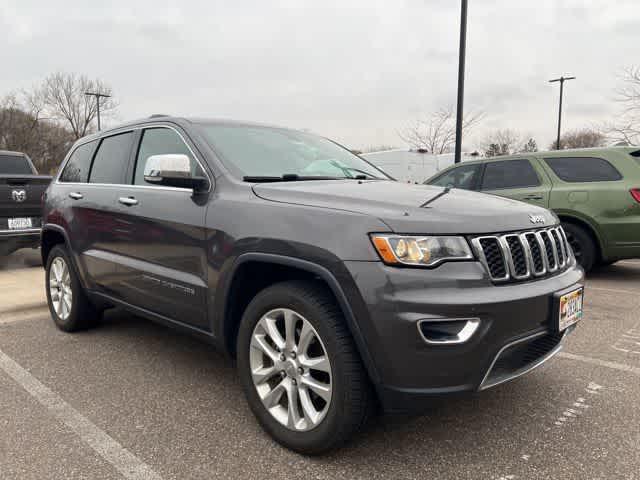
[[299, 369]]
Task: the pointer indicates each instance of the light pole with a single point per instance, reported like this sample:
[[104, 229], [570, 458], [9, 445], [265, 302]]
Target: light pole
[[97, 95], [460, 107], [561, 80]]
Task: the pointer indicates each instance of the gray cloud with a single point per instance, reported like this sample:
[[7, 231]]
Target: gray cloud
[[353, 70]]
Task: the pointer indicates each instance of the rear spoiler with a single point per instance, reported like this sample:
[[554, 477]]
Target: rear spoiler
[[25, 179]]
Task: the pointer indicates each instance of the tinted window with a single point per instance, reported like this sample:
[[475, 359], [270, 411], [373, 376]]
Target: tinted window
[[509, 174], [158, 141], [461, 177], [266, 151], [583, 169], [14, 165], [77, 169], [110, 161]]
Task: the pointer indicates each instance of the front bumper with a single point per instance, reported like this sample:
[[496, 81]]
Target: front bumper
[[12, 240], [514, 333]]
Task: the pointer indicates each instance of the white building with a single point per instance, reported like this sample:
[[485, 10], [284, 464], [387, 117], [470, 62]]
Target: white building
[[411, 165]]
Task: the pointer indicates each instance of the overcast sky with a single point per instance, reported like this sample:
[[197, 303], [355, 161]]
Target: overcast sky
[[356, 71]]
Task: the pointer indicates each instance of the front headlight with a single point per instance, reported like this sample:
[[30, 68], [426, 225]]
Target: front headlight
[[420, 250]]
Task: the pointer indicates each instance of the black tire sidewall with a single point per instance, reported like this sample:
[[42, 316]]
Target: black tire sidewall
[[311, 441], [587, 245]]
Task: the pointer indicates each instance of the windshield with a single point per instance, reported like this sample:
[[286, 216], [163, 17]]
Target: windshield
[[14, 165], [255, 151]]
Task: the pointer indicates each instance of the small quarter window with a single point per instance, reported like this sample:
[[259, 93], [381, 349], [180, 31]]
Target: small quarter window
[[583, 169], [77, 168]]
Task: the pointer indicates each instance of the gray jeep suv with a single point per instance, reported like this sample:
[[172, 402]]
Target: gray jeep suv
[[334, 287]]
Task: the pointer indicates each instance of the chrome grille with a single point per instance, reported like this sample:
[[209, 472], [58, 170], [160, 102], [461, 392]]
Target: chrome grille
[[524, 255]]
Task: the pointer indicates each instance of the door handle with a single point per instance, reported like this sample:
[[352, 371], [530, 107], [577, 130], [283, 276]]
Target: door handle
[[128, 201], [532, 197], [76, 195]]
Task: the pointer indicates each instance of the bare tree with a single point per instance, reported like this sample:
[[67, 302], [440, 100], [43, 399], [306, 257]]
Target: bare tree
[[436, 134], [22, 128], [626, 127], [582, 138], [501, 142], [62, 97], [530, 146]]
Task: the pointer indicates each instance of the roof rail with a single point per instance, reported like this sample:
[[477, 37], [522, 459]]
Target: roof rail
[[156, 115]]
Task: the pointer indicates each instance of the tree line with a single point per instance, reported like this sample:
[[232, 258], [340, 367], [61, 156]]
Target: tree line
[[435, 132], [45, 121]]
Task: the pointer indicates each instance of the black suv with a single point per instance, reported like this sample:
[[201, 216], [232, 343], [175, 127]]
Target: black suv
[[334, 287]]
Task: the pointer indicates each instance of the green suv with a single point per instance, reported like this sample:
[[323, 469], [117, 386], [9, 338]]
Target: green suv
[[594, 191]]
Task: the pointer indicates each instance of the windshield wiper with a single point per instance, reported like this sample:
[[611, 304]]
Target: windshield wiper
[[287, 177], [361, 174]]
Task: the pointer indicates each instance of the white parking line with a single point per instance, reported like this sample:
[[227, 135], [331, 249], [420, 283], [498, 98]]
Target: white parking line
[[602, 363], [125, 462]]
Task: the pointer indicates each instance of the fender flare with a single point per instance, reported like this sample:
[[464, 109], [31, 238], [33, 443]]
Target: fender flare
[[323, 273], [74, 261]]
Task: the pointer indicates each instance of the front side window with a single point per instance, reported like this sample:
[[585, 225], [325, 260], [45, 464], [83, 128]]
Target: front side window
[[583, 169], [110, 162], [77, 168], [509, 174], [465, 177], [161, 141], [258, 151]]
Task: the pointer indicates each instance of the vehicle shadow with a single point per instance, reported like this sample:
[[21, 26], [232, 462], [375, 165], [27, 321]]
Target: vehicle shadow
[[623, 271], [25, 258]]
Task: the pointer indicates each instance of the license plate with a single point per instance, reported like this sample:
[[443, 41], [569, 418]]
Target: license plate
[[19, 223], [570, 309]]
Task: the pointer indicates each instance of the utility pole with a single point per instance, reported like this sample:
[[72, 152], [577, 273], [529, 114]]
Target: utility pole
[[561, 80], [98, 96], [460, 107]]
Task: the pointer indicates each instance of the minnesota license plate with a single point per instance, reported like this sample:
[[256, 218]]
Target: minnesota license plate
[[570, 309], [19, 223]]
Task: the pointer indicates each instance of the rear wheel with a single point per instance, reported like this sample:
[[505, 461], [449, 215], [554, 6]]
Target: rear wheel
[[582, 244], [300, 371], [70, 308]]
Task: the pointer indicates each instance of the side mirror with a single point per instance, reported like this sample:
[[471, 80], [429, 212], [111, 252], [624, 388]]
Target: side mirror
[[172, 170]]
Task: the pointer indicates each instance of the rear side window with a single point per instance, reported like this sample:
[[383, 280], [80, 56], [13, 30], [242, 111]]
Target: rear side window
[[509, 174], [110, 161], [77, 168], [160, 141], [465, 177], [15, 165], [583, 169]]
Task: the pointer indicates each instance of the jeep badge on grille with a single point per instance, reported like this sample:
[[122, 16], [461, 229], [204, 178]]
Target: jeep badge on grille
[[536, 218]]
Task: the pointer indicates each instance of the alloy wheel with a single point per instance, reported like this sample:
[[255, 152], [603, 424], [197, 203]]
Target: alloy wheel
[[60, 288], [290, 369]]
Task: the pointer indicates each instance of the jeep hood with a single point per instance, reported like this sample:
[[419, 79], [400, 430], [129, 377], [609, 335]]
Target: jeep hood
[[399, 205]]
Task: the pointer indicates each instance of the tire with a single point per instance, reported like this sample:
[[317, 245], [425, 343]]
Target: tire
[[350, 401], [77, 313], [584, 248]]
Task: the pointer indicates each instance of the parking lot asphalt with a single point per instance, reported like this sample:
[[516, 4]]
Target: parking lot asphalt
[[132, 399]]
